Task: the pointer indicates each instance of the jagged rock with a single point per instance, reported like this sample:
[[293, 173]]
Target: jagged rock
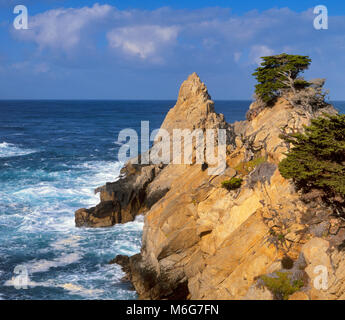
[[201, 241], [124, 262], [105, 214], [194, 108], [141, 186], [254, 109], [122, 200], [121, 260], [218, 242]]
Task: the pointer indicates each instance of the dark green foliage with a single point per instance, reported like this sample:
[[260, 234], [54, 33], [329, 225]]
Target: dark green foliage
[[287, 262], [232, 184], [301, 84], [317, 157], [281, 237], [280, 72], [281, 285]]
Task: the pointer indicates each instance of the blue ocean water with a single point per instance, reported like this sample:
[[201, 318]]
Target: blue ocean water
[[52, 156]]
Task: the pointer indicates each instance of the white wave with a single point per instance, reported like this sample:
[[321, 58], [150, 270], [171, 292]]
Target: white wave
[[47, 218], [70, 287], [29, 283], [44, 265], [71, 242], [77, 289], [40, 190], [68, 184], [97, 173], [51, 204], [101, 171], [89, 283], [47, 208], [46, 190], [135, 225], [8, 150]]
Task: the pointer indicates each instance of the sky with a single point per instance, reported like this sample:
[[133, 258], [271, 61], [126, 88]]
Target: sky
[[144, 49]]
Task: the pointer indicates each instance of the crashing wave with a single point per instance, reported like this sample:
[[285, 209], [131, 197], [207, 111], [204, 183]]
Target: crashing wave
[[8, 150]]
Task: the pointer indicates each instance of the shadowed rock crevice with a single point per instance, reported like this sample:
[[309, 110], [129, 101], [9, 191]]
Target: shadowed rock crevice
[[262, 173], [155, 287]]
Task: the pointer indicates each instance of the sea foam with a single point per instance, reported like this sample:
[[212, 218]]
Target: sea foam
[[8, 150], [44, 265]]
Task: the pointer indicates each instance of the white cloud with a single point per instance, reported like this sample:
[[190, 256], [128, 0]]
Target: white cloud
[[258, 51], [143, 41], [204, 40], [62, 28], [149, 35]]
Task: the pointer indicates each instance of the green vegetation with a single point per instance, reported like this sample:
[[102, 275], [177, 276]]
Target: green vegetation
[[245, 168], [287, 262], [317, 157], [232, 184], [279, 73], [281, 285], [278, 236], [281, 237]]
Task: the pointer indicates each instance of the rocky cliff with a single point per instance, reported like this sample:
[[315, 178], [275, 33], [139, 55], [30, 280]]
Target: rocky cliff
[[202, 241], [141, 186]]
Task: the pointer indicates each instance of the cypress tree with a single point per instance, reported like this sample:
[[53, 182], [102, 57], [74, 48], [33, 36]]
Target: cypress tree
[[317, 157], [279, 73]]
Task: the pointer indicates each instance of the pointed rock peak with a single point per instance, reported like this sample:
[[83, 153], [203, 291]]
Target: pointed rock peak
[[194, 108], [193, 88], [194, 77]]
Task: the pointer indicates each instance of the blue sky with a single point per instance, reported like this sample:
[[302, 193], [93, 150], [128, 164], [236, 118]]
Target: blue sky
[[144, 49]]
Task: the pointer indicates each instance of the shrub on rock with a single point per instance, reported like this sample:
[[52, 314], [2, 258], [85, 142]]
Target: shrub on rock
[[232, 184], [317, 158], [281, 285]]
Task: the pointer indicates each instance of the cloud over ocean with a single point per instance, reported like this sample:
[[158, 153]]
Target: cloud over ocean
[[131, 47]]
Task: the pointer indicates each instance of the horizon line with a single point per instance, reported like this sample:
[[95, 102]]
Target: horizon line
[[75, 99], [79, 99]]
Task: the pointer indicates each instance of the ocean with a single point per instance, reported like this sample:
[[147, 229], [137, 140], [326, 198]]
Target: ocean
[[52, 156]]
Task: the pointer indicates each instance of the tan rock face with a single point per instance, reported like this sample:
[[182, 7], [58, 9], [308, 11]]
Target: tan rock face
[[315, 254], [122, 200], [194, 108], [299, 296], [205, 242], [201, 241], [263, 131], [141, 186]]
